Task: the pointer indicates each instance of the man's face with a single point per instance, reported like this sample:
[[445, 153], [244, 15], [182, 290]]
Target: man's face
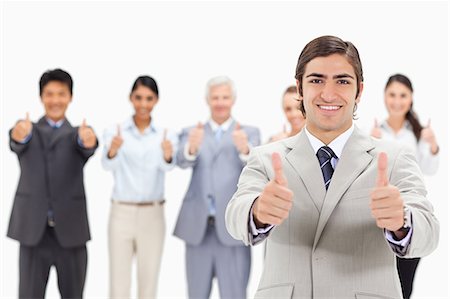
[[56, 98], [329, 95], [220, 101]]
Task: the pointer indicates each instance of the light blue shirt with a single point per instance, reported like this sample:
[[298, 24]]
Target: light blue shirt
[[139, 166]]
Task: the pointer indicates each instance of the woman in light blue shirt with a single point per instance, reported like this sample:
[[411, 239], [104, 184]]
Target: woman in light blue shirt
[[403, 126], [138, 154]]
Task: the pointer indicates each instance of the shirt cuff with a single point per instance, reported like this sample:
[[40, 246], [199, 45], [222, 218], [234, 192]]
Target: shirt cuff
[[257, 231], [188, 156], [26, 139]]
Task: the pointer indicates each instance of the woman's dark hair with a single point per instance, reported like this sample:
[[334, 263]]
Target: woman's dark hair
[[55, 75], [411, 116], [146, 81]]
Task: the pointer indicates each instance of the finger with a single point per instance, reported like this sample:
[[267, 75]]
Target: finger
[[375, 123], [278, 169], [237, 127], [119, 133], [27, 118], [165, 135], [284, 129], [199, 125], [382, 179], [429, 123], [83, 124]]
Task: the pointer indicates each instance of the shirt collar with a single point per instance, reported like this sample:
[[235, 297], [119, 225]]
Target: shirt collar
[[337, 145], [55, 124], [225, 126], [129, 124]]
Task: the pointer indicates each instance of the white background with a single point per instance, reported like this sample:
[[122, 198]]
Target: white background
[[106, 45]]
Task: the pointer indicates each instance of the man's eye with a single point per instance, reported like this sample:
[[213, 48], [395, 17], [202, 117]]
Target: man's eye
[[316, 81], [343, 82]]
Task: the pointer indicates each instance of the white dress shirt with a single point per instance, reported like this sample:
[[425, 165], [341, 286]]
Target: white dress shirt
[[139, 166], [428, 162]]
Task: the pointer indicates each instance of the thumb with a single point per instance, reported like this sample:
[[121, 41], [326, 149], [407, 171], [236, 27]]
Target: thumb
[[278, 169], [284, 129], [237, 127], [429, 123], [165, 135], [382, 179], [199, 125], [119, 133], [375, 123], [27, 118], [83, 124]]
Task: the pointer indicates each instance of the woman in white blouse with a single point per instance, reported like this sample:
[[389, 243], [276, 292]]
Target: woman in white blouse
[[402, 125], [138, 153]]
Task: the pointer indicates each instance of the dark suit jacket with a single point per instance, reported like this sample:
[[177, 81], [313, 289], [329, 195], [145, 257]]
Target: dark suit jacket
[[51, 177]]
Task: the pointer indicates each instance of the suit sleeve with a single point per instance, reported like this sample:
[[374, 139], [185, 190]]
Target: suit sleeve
[[181, 159], [251, 183], [407, 176], [17, 147]]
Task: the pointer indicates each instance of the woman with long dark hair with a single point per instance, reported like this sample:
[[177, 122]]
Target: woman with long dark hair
[[402, 125], [138, 153]]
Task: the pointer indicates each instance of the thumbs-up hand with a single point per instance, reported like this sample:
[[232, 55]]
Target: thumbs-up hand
[[116, 143], [240, 140], [428, 136], [273, 205], [195, 138], [22, 129], [282, 135], [376, 131], [87, 135], [167, 148], [386, 203]]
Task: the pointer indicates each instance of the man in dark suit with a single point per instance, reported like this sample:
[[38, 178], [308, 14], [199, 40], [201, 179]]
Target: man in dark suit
[[49, 216]]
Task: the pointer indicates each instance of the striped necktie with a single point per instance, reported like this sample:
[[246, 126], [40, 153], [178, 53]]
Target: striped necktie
[[324, 154]]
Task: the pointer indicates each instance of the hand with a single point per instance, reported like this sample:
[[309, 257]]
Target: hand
[[116, 143], [273, 205], [196, 138], [167, 148], [284, 134], [87, 135], [386, 203], [376, 131], [428, 136], [22, 129], [240, 140]]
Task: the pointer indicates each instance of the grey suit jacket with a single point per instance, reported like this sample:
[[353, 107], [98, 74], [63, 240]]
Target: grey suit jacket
[[330, 246], [215, 173], [51, 176]]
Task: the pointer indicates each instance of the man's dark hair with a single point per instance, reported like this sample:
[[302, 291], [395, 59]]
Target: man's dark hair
[[55, 75]]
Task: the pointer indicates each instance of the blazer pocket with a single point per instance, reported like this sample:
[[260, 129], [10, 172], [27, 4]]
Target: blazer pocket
[[282, 290], [358, 194], [365, 295]]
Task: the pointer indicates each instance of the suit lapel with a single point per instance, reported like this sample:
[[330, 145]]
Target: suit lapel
[[65, 128], [303, 159], [49, 136], [354, 159]]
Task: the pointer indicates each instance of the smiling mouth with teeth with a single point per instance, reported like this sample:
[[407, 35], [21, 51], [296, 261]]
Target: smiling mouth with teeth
[[329, 108]]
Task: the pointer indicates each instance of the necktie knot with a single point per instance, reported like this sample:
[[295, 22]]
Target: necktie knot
[[324, 154]]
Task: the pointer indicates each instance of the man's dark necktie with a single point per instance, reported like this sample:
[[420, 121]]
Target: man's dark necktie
[[324, 154]]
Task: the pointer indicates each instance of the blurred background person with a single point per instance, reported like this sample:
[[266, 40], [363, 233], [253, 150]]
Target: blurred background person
[[138, 153], [291, 109], [216, 151], [402, 125]]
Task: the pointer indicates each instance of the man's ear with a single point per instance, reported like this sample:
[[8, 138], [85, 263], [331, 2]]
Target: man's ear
[[358, 96], [299, 93]]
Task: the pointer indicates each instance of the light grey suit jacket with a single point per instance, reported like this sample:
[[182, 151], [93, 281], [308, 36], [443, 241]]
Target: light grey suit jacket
[[330, 246], [215, 174]]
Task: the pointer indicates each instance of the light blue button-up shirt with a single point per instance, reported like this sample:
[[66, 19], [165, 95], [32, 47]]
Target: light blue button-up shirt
[[139, 166]]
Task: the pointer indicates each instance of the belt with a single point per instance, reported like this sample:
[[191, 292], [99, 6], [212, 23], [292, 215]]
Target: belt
[[142, 203]]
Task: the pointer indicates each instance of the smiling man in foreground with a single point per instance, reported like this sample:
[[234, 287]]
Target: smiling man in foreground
[[335, 205]]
